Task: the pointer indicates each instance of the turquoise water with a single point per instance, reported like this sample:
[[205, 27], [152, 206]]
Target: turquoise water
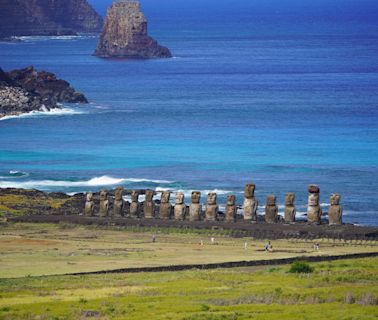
[[280, 101]]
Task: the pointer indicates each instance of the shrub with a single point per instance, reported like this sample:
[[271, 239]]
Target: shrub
[[300, 267]]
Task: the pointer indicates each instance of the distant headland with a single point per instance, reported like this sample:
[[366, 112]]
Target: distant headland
[[47, 18], [124, 34]]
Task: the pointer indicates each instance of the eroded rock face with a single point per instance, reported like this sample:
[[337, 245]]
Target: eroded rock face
[[134, 206], [124, 34], [250, 204], [290, 210], [165, 206], [231, 209], [119, 204], [271, 209], [104, 204], [149, 205], [47, 17], [335, 211], [180, 206], [314, 212], [195, 208], [89, 205], [211, 209], [27, 90]]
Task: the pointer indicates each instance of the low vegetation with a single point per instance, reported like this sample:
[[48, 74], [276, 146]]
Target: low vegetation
[[335, 290], [300, 267], [47, 249]]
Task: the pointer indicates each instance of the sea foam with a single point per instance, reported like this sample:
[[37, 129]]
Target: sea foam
[[52, 112]]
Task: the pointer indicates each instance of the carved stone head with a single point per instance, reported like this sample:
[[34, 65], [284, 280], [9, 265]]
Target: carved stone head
[[249, 190], [196, 197], [149, 195], [180, 198], [134, 196], [271, 200], [212, 198], [335, 199], [312, 188], [231, 200], [165, 196], [103, 195], [289, 199], [119, 193], [89, 196], [313, 199]]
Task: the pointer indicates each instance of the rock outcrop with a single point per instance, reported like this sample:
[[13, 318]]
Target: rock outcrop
[[124, 34], [47, 17], [27, 90]]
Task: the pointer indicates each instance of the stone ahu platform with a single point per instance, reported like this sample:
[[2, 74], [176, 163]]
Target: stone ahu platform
[[258, 230]]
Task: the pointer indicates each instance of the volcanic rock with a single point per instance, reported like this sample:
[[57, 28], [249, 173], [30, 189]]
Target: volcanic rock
[[124, 34], [47, 17], [29, 90]]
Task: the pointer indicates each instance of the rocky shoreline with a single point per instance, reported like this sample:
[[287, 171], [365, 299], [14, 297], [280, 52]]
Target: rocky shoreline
[[26, 90]]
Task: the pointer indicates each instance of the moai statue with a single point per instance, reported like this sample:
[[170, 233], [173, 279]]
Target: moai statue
[[335, 211], [314, 212], [104, 204], [134, 206], [250, 203], [89, 205], [119, 204], [195, 208], [271, 209], [149, 205], [180, 206], [211, 208], [165, 206], [231, 209], [290, 210]]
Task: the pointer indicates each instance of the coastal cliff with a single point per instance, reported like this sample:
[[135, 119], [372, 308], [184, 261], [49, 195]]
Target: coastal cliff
[[26, 90], [124, 34], [47, 17]]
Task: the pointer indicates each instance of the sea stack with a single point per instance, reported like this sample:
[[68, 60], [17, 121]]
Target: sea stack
[[124, 34]]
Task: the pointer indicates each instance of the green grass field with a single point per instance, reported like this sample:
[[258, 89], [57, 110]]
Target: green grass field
[[336, 290], [33, 258], [47, 249]]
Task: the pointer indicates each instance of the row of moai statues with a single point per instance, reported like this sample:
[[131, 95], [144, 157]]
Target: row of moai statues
[[194, 212]]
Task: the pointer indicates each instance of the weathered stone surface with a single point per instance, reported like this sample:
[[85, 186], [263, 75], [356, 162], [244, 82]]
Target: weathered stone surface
[[195, 208], [104, 204], [314, 212], [149, 205], [335, 211], [134, 206], [119, 204], [271, 209], [165, 206], [290, 210], [211, 208], [250, 204], [47, 17], [27, 90], [231, 208], [180, 207], [124, 34], [89, 205]]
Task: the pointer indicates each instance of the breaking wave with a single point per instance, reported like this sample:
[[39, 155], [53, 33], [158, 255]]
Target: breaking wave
[[52, 112], [94, 182]]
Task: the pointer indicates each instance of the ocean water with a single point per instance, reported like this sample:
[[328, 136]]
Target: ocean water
[[250, 96]]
